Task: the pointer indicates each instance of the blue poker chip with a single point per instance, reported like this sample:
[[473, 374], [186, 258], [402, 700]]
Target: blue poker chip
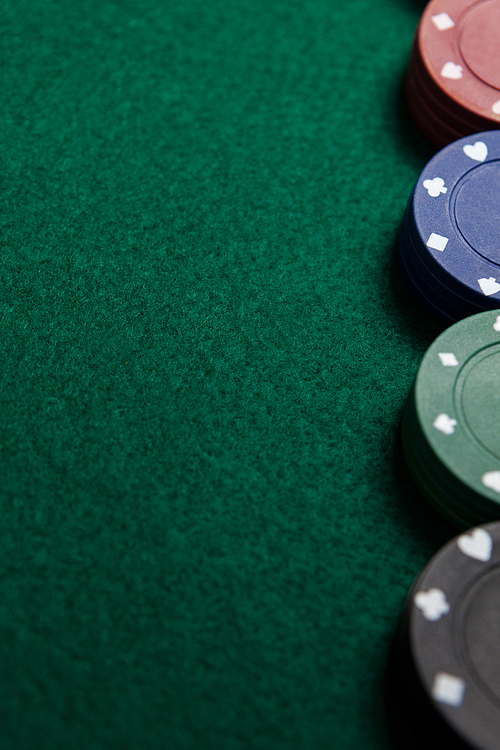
[[439, 299], [449, 241]]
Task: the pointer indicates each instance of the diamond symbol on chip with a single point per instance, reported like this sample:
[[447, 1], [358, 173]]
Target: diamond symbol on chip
[[452, 71], [448, 359], [491, 480], [435, 187], [448, 689], [432, 603], [442, 21], [489, 286], [445, 424], [437, 242]]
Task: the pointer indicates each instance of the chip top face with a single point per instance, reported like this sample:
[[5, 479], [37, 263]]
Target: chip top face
[[455, 634], [456, 216], [458, 43], [457, 400]]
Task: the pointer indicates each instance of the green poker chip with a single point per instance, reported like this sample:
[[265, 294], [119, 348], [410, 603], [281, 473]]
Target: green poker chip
[[451, 422]]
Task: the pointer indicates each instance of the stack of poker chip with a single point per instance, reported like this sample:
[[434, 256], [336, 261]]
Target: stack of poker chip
[[445, 661], [449, 240], [453, 79], [451, 422]]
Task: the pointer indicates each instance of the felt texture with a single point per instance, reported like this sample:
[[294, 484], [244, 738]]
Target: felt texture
[[206, 524]]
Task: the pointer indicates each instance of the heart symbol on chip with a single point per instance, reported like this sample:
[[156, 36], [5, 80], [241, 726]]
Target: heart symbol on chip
[[492, 480], [450, 70], [477, 151], [489, 286], [478, 545]]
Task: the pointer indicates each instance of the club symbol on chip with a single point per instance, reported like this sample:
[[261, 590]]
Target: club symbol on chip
[[445, 424], [452, 71], [496, 324], [435, 187], [448, 689], [492, 480], [432, 604], [477, 151], [448, 359], [489, 286]]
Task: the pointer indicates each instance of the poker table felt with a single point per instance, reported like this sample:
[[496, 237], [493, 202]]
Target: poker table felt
[[207, 529]]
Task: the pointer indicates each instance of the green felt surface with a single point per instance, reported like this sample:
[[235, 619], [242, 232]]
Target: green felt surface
[[207, 530]]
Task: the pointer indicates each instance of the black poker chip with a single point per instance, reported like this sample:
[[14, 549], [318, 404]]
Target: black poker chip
[[446, 659]]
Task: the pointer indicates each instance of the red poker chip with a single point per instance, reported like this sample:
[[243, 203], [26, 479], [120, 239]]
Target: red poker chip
[[453, 80], [437, 98], [430, 111], [439, 127]]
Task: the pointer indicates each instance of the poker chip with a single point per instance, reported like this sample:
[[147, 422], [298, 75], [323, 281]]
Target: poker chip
[[446, 659], [453, 79], [450, 427], [449, 239]]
